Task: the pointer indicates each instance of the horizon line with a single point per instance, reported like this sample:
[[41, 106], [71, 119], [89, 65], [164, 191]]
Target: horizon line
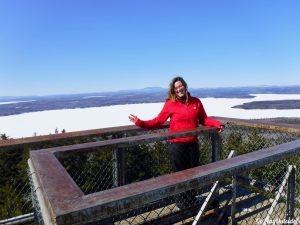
[[143, 88]]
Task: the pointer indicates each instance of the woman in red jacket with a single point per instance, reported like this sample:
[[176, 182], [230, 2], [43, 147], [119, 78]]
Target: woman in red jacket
[[185, 112]]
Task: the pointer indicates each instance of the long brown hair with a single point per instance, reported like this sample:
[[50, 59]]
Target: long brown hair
[[171, 92]]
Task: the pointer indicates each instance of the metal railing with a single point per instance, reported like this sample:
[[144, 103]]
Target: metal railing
[[164, 198], [111, 166], [15, 194]]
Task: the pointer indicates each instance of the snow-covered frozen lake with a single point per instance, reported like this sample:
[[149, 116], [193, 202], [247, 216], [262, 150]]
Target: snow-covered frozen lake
[[45, 122]]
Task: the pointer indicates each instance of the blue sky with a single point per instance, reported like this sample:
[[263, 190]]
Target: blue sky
[[72, 46]]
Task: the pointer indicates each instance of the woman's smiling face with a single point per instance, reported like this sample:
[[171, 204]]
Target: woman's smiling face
[[180, 89]]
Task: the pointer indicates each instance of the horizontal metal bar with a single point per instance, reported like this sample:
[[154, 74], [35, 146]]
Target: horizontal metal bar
[[127, 141], [69, 135], [26, 218], [295, 128], [283, 127]]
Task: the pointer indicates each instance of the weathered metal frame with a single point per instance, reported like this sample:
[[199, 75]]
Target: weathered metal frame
[[67, 204], [96, 134], [59, 182]]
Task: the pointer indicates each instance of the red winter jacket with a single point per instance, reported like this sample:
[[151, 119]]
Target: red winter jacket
[[182, 116]]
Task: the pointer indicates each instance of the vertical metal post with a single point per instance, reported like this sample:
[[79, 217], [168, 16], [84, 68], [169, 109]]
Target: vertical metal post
[[215, 155], [216, 146], [290, 211], [118, 167], [233, 205], [118, 158]]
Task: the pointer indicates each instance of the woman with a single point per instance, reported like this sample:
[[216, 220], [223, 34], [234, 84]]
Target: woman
[[185, 112]]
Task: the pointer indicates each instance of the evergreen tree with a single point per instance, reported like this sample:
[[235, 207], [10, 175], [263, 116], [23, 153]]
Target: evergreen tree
[[3, 136]]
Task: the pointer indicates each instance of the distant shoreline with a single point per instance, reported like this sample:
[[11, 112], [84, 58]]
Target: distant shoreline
[[32, 106], [274, 104], [19, 105], [47, 121]]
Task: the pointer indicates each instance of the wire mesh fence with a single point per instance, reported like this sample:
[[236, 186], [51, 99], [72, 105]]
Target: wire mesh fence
[[252, 205], [111, 167], [15, 192]]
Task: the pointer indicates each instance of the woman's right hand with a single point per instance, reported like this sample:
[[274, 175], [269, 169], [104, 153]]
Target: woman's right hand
[[133, 118]]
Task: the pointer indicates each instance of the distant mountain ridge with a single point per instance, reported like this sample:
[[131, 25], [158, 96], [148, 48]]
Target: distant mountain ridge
[[26, 104], [241, 92]]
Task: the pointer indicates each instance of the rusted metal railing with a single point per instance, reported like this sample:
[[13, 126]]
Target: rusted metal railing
[[110, 166], [123, 204]]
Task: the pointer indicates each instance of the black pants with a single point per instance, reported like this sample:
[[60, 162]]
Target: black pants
[[184, 155]]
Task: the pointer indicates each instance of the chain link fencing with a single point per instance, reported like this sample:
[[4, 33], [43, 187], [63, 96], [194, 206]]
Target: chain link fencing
[[111, 167], [141, 162]]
